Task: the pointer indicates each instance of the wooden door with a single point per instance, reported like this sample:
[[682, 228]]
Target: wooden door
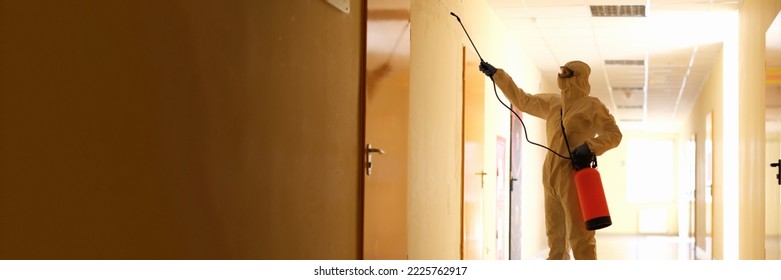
[[473, 171], [386, 126], [773, 193], [515, 185]]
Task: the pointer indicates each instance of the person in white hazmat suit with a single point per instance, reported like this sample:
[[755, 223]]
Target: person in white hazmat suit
[[590, 130]]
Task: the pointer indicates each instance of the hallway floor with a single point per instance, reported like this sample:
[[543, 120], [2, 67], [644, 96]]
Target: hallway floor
[[643, 247]]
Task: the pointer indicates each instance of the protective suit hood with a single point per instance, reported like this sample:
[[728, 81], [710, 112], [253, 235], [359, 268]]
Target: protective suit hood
[[576, 86]]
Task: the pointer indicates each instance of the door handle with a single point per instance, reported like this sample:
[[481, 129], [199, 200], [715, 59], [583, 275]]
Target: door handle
[[369, 151], [512, 183], [482, 177], [777, 165]]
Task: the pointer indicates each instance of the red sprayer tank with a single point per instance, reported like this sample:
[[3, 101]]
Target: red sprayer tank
[[592, 199]]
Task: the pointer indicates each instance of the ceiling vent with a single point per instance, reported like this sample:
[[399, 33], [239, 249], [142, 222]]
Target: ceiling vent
[[630, 106], [618, 11], [624, 62]]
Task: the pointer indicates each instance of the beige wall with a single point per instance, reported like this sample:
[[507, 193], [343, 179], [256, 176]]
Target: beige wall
[[755, 18], [435, 125], [434, 207], [179, 130], [709, 101], [498, 48], [527, 76]]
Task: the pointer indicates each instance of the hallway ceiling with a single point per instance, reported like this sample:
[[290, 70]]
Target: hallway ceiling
[[648, 69]]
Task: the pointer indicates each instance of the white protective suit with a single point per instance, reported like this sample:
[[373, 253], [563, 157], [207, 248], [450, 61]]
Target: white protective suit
[[586, 120]]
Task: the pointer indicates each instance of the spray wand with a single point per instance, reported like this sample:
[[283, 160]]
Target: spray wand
[[500, 100]]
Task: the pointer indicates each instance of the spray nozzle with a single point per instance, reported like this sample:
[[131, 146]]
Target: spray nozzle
[[454, 14]]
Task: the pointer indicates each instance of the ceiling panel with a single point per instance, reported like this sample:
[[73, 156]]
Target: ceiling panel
[[679, 38]]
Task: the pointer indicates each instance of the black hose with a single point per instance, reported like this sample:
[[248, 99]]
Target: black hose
[[525, 133]]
